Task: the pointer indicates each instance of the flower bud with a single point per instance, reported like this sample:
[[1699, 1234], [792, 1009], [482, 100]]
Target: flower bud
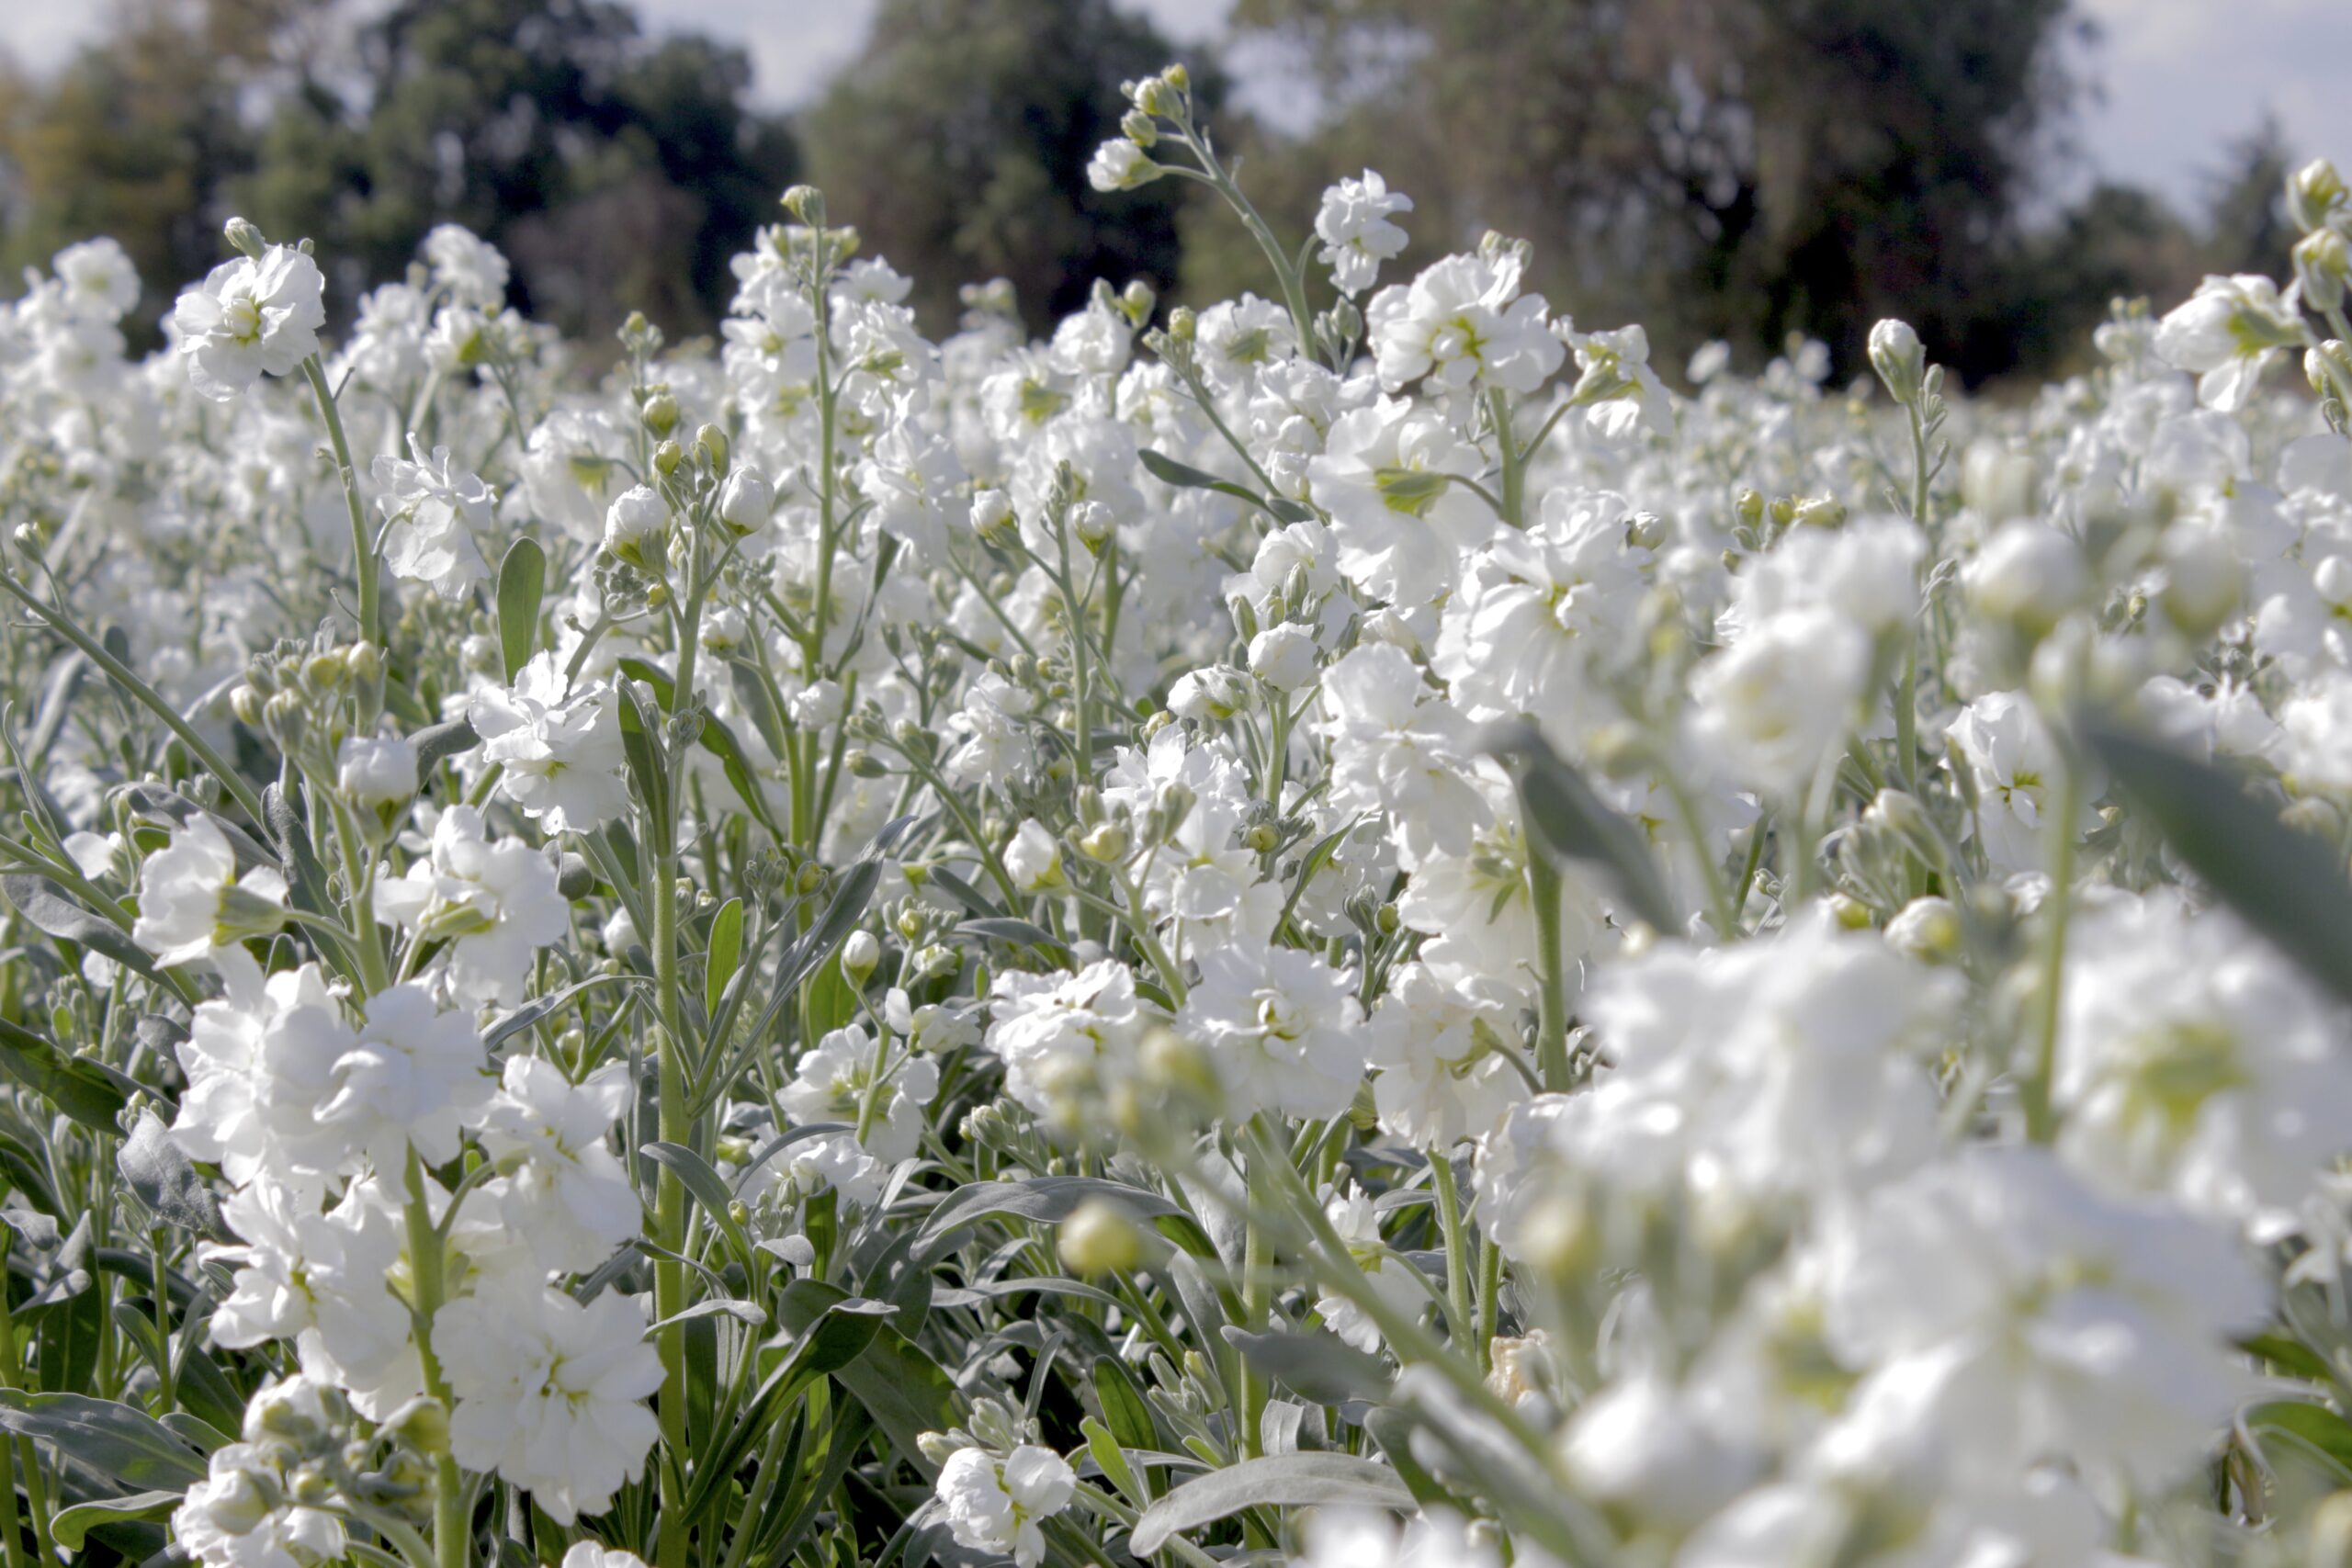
[[244, 238], [366, 663], [747, 501], [2315, 192], [860, 953], [660, 413], [2324, 266], [1100, 1238], [1104, 843], [421, 1425], [634, 522], [2027, 573], [807, 204], [1137, 127], [1926, 929], [575, 877], [993, 517], [1900, 359], [667, 459], [246, 704], [711, 442], [2203, 578]]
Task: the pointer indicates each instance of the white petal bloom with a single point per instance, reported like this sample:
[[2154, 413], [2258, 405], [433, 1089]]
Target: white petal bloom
[[550, 1393], [635, 524], [317, 1279], [560, 1186], [559, 745], [413, 1075], [433, 511], [2017, 1314], [261, 1059], [1281, 1026], [377, 769], [1033, 859], [251, 318], [1120, 165], [100, 281], [850, 1076], [2227, 334], [1354, 1537], [1357, 1224], [2014, 766], [1463, 321], [237, 1518], [467, 265], [1354, 224], [1398, 748], [997, 1505], [192, 903], [1445, 1077], [1782, 697], [2192, 1058], [1056, 1031], [494, 903], [1284, 657], [595, 1554]]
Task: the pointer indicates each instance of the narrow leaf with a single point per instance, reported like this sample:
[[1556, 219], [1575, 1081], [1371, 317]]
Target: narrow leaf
[[522, 579]]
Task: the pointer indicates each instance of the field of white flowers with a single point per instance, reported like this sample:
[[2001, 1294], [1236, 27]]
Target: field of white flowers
[[1245, 936]]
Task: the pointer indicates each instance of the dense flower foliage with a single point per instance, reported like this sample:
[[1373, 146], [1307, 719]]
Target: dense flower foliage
[[1362, 935]]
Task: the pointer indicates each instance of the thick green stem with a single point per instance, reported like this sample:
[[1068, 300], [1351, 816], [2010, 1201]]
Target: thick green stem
[[1550, 958], [452, 1540], [2040, 1116], [1459, 1316]]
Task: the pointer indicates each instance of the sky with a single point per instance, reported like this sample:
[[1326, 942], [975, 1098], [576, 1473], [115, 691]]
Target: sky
[[2181, 78]]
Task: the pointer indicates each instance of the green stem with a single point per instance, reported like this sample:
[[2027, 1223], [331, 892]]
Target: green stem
[[2041, 1117], [1551, 1001], [452, 1541], [1443, 1190], [363, 550]]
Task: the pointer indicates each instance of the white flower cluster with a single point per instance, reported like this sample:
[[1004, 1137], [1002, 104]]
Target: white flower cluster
[[1611, 905]]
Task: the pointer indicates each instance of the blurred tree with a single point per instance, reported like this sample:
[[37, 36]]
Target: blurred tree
[[1738, 168], [618, 172], [128, 140], [957, 144], [2250, 227]]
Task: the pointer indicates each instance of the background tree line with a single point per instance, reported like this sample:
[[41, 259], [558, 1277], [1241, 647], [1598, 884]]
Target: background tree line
[[1735, 169]]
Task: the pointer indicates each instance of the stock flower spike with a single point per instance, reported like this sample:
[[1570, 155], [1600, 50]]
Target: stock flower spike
[[1329, 936]]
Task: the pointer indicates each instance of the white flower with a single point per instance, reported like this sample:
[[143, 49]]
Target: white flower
[[1051, 1031], [1353, 224], [100, 281], [1283, 656], [232, 1520], [494, 903], [251, 318], [1281, 1026], [260, 1060], [560, 1186], [2192, 1058], [317, 1279], [1356, 1538], [550, 1393], [2014, 766], [1783, 696], [998, 1507], [433, 510], [747, 501], [375, 769], [1033, 859], [636, 518], [1464, 320], [850, 1076], [1120, 165], [560, 747], [413, 1075], [1637, 1447], [1398, 748], [469, 266], [192, 903], [2227, 334], [2026, 572], [594, 1554], [1446, 1076], [2017, 1314], [1357, 1224]]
